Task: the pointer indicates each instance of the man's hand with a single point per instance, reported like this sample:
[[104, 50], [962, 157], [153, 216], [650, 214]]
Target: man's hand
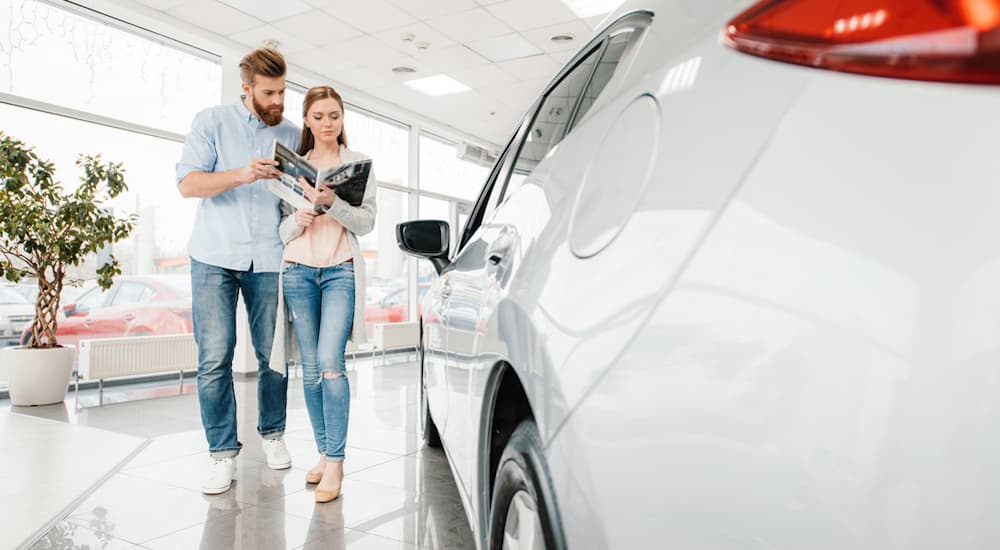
[[304, 217], [259, 169]]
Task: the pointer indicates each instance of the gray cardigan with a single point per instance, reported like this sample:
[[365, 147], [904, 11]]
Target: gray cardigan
[[357, 220]]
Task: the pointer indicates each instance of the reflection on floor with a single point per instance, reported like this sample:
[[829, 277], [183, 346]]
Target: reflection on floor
[[396, 494]]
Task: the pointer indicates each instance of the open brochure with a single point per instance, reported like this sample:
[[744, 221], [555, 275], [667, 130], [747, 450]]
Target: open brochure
[[348, 180]]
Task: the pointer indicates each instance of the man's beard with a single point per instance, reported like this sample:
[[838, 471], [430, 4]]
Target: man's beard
[[272, 116]]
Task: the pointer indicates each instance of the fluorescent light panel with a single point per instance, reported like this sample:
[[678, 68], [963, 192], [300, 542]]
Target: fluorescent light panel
[[590, 8], [437, 85]]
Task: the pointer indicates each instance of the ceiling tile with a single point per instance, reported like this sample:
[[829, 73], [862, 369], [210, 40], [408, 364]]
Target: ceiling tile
[[268, 10], [470, 25], [216, 17], [525, 15], [595, 21], [519, 95], [542, 37], [485, 75], [502, 48], [529, 68], [420, 32], [366, 50], [325, 61], [453, 58], [287, 42], [426, 9], [562, 57], [369, 16], [163, 4], [361, 78], [317, 27]]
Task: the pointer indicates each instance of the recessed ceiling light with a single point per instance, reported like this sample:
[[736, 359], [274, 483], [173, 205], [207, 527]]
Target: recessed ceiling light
[[402, 70], [437, 85], [562, 38], [590, 8]]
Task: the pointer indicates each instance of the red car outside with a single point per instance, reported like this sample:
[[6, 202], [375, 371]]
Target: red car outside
[[137, 305]]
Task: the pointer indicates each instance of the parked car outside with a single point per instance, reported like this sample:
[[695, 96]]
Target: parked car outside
[[138, 305], [734, 293], [16, 313]]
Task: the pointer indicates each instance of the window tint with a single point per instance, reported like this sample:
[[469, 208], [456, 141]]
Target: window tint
[[565, 104], [552, 119], [602, 75]]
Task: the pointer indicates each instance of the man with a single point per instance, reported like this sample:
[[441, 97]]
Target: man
[[234, 248]]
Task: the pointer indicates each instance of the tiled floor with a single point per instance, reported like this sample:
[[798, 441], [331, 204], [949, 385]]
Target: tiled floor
[[396, 494]]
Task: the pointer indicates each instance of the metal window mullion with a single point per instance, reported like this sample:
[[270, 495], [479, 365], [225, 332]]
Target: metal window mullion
[[84, 116]]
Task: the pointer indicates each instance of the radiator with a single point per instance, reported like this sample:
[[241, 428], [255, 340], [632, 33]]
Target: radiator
[[103, 358]]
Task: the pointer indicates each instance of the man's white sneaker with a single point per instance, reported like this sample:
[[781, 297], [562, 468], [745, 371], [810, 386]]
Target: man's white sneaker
[[220, 476], [277, 455]]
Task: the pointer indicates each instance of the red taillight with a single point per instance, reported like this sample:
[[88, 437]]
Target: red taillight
[[941, 40]]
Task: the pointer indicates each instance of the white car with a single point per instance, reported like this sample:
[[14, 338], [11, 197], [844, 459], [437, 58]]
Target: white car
[[734, 283]]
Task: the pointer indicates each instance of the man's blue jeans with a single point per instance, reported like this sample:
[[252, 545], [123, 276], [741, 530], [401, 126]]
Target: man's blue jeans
[[321, 303], [214, 292]]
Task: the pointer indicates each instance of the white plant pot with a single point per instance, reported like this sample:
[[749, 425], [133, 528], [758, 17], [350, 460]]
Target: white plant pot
[[37, 376]]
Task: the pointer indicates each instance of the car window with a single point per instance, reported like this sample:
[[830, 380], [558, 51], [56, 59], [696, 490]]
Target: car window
[[552, 119], [610, 58], [489, 196], [128, 294], [567, 103], [91, 299]]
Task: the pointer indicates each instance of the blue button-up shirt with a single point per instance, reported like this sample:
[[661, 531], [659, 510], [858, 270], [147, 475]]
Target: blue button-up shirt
[[238, 228]]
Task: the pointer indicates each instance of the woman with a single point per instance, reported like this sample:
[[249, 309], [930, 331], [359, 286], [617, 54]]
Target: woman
[[323, 284]]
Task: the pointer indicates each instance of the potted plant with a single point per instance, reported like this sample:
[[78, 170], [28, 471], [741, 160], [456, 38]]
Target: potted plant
[[43, 231]]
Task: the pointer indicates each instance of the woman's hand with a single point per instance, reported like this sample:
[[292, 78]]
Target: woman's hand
[[318, 195], [304, 217]]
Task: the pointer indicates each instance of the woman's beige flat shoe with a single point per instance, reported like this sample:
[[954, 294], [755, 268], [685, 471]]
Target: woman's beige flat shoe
[[313, 478], [326, 496]]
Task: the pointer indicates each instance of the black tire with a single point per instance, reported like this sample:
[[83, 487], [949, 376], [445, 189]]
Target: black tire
[[524, 475], [428, 430]]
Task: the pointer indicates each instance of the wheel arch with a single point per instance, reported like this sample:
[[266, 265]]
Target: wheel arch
[[505, 405]]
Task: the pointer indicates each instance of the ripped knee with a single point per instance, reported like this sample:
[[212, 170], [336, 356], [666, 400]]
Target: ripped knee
[[330, 375]]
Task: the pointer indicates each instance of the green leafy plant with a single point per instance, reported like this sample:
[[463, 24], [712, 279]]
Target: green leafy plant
[[44, 229]]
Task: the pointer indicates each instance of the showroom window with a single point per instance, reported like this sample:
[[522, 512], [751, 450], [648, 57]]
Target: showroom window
[[74, 84], [60, 57], [441, 171], [385, 141]]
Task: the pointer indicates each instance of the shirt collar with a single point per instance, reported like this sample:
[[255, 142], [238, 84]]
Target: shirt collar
[[246, 115]]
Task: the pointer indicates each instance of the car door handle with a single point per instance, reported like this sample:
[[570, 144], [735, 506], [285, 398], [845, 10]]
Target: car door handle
[[129, 317]]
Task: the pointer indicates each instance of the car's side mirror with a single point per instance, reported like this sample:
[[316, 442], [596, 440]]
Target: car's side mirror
[[425, 239], [69, 310]]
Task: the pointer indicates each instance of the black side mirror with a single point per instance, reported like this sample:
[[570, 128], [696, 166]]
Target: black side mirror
[[69, 310], [425, 239]]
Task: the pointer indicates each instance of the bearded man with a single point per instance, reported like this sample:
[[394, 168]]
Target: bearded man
[[235, 248]]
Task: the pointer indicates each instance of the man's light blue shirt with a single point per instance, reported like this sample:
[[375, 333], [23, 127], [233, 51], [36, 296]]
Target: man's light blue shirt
[[238, 228]]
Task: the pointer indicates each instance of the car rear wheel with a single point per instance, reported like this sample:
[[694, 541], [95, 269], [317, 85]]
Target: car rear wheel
[[523, 515]]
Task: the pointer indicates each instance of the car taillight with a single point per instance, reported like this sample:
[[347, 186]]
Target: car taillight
[[939, 40]]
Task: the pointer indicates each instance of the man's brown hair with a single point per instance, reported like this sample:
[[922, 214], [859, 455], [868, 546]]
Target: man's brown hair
[[262, 61]]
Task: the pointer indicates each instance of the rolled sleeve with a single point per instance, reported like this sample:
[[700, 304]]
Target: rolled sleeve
[[199, 154]]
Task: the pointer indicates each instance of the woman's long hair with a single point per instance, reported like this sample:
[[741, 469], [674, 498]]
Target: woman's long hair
[[312, 96]]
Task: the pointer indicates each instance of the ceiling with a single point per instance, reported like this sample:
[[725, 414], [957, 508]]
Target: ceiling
[[501, 49]]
